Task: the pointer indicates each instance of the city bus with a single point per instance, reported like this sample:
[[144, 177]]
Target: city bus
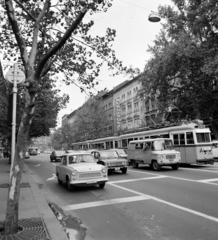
[[191, 139]]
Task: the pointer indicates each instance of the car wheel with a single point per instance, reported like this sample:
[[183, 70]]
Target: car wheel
[[59, 181], [124, 170], [51, 159], [175, 167], [156, 166], [135, 164], [69, 186], [101, 185]]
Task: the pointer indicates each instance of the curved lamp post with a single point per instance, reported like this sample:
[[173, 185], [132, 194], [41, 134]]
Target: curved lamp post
[[154, 17]]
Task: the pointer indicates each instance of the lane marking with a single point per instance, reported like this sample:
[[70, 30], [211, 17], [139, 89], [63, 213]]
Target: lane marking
[[172, 204], [208, 180], [178, 178], [52, 178], [138, 179], [105, 202]]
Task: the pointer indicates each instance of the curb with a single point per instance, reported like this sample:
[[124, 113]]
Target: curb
[[53, 226]]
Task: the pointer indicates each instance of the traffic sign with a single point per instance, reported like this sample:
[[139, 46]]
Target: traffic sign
[[10, 75]]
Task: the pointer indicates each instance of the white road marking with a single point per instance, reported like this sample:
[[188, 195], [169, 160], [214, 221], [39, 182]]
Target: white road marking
[[52, 178], [37, 165], [105, 202], [208, 180], [171, 204], [138, 179], [183, 179]]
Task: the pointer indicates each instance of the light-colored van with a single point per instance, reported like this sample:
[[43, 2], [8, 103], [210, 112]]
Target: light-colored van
[[155, 152]]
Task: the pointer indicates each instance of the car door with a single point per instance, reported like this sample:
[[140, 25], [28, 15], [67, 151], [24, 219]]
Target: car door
[[62, 169]]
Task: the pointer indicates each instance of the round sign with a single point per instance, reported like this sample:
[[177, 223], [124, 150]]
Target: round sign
[[11, 74]]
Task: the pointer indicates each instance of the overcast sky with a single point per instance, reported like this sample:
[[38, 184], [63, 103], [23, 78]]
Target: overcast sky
[[133, 35]]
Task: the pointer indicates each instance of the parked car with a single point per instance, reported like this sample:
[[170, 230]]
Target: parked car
[[111, 160], [215, 149], [80, 169], [121, 152], [56, 155]]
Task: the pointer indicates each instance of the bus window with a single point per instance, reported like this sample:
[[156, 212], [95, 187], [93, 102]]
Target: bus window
[[124, 143], [165, 136], [135, 138], [190, 138], [203, 137], [130, 139], [182, 139], [176, 139]]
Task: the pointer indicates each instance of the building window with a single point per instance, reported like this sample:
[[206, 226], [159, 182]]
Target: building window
[[136, 122], [136, 106], [129, 109], [110, 129], [110, 105], [130, 124]]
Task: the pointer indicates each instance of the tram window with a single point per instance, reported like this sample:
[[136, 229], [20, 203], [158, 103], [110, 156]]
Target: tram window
[[130, 139], [140, 138], [146, 137], [176, 139], [203, 137], [124, 143], [135, 138], [155, 136], [165, 136], [182, 139], [190, 138]]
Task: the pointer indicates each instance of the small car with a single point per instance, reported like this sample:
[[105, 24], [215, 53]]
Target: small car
[[111, 160], [121, 152], [80, 169], [56, 155]]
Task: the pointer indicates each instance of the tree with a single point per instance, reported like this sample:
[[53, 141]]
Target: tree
[[90, 120], [51, 38], [183, 67]]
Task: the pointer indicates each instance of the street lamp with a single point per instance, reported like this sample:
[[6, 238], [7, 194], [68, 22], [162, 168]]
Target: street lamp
[[154, 17]]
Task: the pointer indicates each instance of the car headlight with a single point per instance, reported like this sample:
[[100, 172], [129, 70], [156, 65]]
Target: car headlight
[[104, 170], [178, 156], [74, 175], [160, 157]]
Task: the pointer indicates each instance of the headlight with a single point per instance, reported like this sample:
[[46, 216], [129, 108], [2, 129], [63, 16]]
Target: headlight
[[104, 170], [178, 156], [160, 157], [74, 173]]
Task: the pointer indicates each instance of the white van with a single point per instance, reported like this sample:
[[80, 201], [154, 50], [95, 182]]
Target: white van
[[155, 152]]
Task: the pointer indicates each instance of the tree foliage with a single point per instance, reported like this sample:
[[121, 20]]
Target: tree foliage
[[183, 67], [51, 37]]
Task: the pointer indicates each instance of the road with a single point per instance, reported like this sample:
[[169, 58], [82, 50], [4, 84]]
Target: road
[[141, 204]]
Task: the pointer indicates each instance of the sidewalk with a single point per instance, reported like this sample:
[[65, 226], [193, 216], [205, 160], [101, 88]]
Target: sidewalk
[[32, 203]]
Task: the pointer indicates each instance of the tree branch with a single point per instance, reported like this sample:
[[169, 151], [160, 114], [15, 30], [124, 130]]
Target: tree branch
[[25, 10], [35, 33], [60, 43], [16, 31]]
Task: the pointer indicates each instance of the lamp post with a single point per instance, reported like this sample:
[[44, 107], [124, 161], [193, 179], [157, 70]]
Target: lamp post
[[14, 76]]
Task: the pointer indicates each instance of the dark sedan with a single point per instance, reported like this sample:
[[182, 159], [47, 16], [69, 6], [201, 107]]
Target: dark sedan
[[56, 155], [111, 160]]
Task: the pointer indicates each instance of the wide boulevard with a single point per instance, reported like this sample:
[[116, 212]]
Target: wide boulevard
[[141, 205]]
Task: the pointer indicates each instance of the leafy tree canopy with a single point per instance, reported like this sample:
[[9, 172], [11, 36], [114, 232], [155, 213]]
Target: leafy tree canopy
[[183, 67]]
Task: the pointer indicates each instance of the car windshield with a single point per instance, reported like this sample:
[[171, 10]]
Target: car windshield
[[88, 158], [160, 145], [121, 151], [109, 154]]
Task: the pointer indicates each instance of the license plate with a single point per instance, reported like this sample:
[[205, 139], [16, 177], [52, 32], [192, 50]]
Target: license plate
[[88, 182], [117, 168]]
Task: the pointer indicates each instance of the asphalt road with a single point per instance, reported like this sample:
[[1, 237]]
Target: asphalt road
[[141, 204]]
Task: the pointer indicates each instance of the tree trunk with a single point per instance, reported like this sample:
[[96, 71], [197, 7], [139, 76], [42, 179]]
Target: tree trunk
[[11, 220]]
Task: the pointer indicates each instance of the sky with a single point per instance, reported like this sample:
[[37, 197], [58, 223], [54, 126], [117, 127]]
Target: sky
[[133, 35]]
